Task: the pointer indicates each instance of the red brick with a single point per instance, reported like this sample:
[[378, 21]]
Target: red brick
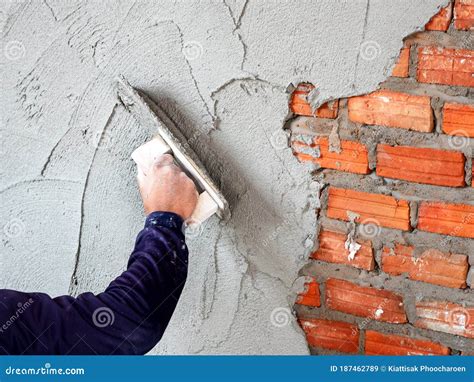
[[300, 106], [333, 335], [447, 219], [374, 208], [401, 67], [377, 304], [388, 344], [445, 66], [441, 21], [392, 109], [464, 14], [458, 119], [310, 296], [331, 249], [421, 165], [352, 158], [446, 317], [432, 266]]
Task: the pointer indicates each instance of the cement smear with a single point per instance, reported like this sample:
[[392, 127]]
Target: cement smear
[[220, 70]]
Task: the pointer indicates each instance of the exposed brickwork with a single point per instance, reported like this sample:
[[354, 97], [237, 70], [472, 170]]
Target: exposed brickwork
[[458, 119], [310, 296], [421, 165], [392, 109], [299, 104], [332, 249], [448, 219], [402, 65], [353, 156], [332, 335], [398, 182], [446, 317], [464, 15], [382, 209], [445, 66], [388, 344], [432, 266], [378, 304], [441, 21]]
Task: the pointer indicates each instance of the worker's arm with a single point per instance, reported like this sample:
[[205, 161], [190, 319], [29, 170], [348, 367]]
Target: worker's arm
[[131, 315]]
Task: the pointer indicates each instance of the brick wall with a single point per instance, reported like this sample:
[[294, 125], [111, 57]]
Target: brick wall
[[392, 271]]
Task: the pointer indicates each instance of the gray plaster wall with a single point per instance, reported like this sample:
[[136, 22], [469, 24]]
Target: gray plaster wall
[[70, 209]]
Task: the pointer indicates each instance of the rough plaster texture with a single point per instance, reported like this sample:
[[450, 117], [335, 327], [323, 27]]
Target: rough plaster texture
[[221, 70]]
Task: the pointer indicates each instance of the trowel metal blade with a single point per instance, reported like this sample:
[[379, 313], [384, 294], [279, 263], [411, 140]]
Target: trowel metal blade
[[147, 113]]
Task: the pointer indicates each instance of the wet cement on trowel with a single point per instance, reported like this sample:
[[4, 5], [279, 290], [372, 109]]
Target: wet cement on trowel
[[70, 207]]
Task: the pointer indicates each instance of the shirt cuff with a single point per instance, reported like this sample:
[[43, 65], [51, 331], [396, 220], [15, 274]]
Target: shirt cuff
[[164, 219]]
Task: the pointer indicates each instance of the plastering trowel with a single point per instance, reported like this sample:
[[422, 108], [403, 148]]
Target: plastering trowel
[[169, 140]]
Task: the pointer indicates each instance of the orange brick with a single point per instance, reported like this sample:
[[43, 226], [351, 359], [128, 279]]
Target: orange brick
[[352, 158], [464, 14], [421, 165], [375, 208], [445, 66], [333, 335], [446, 317], [441, 21], [432, 266], [310, 296], [458, 119], [401, 67], [388, 344], [447, 219], [377, 304], [331, 249], [392, 109], [300, 106]]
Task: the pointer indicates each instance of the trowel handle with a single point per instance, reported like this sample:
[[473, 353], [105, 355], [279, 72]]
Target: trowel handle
[[146, 155]]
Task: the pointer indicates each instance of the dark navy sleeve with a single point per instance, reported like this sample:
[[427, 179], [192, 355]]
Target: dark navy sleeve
[[129, 317]]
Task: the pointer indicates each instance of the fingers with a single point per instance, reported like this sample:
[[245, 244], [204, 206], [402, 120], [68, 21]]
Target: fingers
[[164, 160]]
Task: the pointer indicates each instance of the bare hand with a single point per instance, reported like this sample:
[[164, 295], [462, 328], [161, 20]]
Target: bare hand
[[167, 188]]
